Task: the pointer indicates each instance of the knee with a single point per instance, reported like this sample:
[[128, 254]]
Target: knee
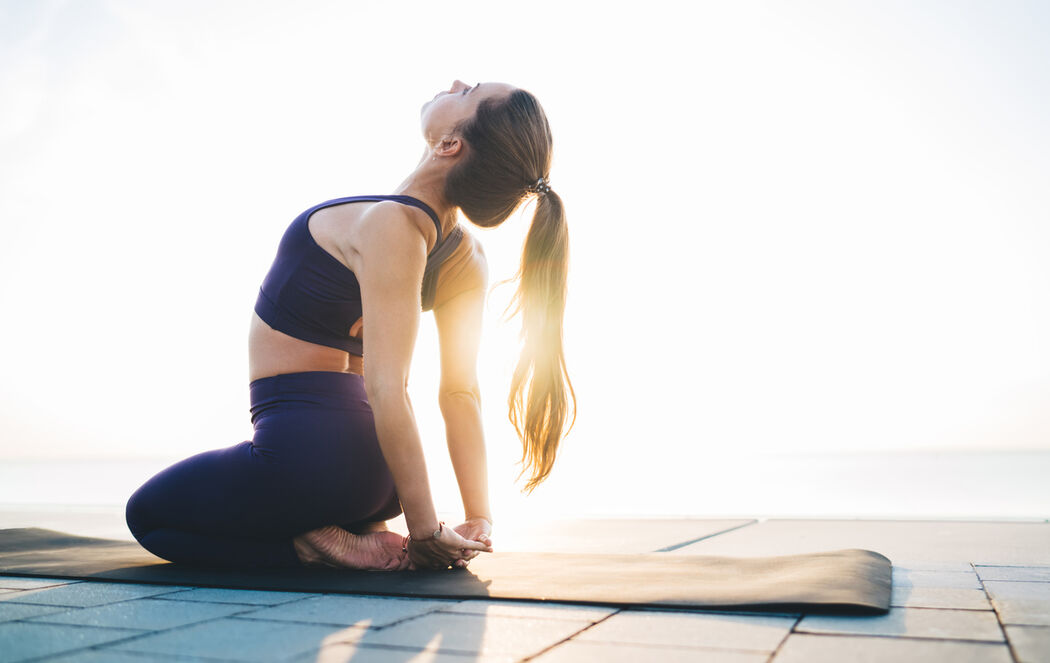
[[137, 516]]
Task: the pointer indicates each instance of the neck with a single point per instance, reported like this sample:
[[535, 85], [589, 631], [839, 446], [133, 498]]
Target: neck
[[427, 183]]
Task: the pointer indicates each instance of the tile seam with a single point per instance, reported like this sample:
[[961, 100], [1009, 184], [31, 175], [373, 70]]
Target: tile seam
[[67, 652], [543, 651], [40, 619], [926, 607], [921, 638], [661, 645], [683, 544], [780, 645], [910, 638], [998, 617]]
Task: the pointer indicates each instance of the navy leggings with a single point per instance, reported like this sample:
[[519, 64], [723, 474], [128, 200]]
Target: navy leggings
[[314, 460]]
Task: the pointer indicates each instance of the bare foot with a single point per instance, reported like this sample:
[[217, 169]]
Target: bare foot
[[336, 547]]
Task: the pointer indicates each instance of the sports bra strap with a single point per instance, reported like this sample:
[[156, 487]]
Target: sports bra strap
[[404, 200]]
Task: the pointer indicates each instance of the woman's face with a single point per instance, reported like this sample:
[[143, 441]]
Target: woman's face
[[442, 114]]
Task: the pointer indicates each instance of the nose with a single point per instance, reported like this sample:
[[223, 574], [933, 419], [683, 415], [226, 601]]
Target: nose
[[458, 86]]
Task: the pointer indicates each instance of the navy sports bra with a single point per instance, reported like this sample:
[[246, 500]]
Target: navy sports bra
[[310, 295]]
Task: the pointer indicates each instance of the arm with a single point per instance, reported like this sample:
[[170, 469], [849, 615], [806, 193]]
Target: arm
[[459, 333], [392, 252]]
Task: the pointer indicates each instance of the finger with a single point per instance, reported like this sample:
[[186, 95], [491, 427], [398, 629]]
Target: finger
[[476, 545]]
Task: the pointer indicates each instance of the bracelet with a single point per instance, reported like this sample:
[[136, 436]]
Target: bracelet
[[435, 535]]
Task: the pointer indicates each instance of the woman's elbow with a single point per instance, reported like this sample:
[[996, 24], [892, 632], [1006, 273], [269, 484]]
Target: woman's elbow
[[451, 399]]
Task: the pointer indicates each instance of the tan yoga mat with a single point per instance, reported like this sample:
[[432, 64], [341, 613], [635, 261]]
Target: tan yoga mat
[[848, 581]]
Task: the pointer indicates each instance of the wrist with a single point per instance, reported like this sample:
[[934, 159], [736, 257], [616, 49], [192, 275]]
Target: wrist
[[425, 534]]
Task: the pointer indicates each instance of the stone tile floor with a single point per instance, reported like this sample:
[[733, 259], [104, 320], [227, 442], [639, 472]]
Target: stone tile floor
[[962, 592]]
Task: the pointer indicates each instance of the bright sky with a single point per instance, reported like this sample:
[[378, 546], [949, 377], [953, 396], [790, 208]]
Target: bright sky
[[796, 227]]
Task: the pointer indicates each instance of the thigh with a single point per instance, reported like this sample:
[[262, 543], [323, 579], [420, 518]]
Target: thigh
[[332, 463], [231, 491], [303, 469]]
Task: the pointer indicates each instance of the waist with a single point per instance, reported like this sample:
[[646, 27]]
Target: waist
[[272, 353], [307, 390]]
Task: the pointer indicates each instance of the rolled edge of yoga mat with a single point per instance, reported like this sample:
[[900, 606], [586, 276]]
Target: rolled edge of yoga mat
[[846, 581]]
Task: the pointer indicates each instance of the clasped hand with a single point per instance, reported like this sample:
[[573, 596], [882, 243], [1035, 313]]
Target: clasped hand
[[455, 547]]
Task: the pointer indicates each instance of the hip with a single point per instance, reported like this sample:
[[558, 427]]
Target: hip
[[314, 418]]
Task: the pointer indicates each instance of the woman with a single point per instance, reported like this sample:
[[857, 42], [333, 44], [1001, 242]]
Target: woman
[[336, 451]]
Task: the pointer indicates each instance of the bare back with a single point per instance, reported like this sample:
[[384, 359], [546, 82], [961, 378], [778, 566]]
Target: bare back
[[271, 352]]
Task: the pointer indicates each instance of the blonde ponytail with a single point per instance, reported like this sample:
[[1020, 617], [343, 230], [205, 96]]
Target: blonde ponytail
[[508, 158], [539, 391]]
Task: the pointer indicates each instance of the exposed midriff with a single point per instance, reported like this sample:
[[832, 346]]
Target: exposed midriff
[[271, 352]]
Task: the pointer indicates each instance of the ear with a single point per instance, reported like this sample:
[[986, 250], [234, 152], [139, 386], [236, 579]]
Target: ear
[[449, 146]]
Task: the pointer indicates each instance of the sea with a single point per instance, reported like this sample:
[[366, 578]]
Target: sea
[[88, 496]]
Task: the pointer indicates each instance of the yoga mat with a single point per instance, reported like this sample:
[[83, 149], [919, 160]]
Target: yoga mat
[[848, 581]]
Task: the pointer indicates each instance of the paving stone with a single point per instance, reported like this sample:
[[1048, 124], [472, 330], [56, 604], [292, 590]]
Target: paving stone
[[939, 597], [989, 543], [1019, 573], [609, 535], [12, 611], [713, 611], [911, 623], [364, 611], [108, 655], [14, 582], [804, 648], [952, 579], [678, 629], [148, 614], [358, 653], [931, 565], [246, 596], [20, 641], [84, 594], [576, 651], [531, 609], [241, 640], [1020, 602], [452, 633], [1030, 643]]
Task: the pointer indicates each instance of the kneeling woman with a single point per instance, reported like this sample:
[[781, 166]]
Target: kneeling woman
[[336, 451]]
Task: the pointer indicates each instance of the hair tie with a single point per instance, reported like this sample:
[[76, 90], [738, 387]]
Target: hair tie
[[541, 187]]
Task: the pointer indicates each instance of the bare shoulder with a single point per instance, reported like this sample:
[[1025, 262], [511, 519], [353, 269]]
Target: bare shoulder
[[387, 222]]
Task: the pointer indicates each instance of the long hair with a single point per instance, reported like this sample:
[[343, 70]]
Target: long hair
[[508, 151]]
